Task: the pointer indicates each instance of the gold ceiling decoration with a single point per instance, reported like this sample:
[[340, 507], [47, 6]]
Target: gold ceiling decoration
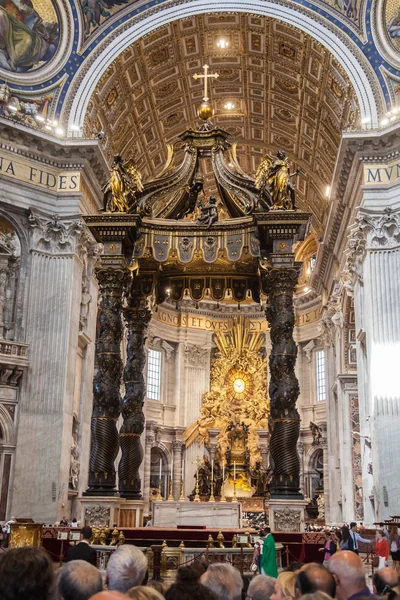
[[238, 391], [288, 93]]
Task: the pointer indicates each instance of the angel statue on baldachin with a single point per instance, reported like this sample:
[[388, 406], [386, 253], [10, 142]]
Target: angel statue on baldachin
[[274, 178], [121, 189]]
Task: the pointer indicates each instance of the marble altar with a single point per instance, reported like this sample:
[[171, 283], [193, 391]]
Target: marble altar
[[208, 514]]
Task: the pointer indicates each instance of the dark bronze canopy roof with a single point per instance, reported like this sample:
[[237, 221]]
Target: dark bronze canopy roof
[[168, 193]]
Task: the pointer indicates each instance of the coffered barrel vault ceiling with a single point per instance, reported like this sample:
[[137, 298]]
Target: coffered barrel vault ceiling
[[287, 90]]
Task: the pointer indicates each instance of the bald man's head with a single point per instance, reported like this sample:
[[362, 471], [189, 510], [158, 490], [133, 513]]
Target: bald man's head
[[315, 578], [348, 571], [384, 580], [108, 596]]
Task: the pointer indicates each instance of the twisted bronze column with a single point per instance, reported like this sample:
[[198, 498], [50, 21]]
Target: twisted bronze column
[[137, 317], [106, 384], [284, 386]]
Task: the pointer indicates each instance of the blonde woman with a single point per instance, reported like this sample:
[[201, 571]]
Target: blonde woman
[[142, 592], [284, 586]]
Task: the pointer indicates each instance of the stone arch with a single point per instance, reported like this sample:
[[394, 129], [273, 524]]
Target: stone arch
[[162, 451], [310, 467], [344, 50], [6, 428]]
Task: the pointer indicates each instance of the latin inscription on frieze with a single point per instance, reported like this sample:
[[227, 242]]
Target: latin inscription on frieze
[[38, 174], [381, 174]]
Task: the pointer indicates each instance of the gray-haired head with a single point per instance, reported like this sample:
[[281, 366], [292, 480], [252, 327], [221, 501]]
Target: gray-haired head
[[224, 580], [261, 587], [126, 568], [79, 580]]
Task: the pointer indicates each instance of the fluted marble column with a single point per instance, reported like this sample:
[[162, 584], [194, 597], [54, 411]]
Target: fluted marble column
[[196, 362], [177, 447], [283, 387], [106, 384], [377, 307], [149, 442], [137, 316]]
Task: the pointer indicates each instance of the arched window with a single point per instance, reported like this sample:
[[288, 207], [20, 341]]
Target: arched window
[[154, 360]]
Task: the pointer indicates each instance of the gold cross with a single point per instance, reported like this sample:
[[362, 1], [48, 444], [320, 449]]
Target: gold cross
[[206, 77]]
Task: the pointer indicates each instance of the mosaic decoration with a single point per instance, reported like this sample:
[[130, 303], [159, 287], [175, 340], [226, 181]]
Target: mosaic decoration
[[356, 458], [30, 110], [93, 22], [95, 12], [392, 21], [350, 8], [29, 34]]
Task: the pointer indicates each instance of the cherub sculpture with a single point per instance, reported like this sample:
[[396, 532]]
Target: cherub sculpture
[[209, 213], [121, 189], [191, 200], [273, 177]]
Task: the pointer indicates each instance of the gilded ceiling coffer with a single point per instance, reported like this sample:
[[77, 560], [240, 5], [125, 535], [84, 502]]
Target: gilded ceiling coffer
[[137, 317]]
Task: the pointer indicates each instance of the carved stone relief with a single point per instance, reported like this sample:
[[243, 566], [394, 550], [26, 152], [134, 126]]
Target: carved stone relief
[[97, 515], [196, 356], [287, 519], [75, 454]]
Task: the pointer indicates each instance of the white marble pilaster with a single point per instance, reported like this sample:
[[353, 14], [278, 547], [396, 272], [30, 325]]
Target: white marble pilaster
[[43, 453], [177, 446], [149, 442]]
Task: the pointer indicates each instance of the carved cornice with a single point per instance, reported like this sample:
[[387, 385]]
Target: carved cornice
[[356, 148], [13, 361], [71, 154]]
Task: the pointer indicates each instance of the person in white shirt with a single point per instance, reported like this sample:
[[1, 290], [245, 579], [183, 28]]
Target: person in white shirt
[[7, 531], [356, 537]]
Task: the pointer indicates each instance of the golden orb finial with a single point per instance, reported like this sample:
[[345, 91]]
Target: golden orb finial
[[205, 110]]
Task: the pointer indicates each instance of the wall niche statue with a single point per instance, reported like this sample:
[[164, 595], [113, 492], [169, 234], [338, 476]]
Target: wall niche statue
[[10, 263]]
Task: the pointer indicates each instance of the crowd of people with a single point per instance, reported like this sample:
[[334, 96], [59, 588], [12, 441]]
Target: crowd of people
[[29, 574]]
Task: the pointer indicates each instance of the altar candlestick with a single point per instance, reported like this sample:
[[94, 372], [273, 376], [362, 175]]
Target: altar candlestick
[[223, 499], [234, 470], [212, 470]]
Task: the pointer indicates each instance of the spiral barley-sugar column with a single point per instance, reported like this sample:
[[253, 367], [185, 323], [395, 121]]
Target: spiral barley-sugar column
[[137, 317], [278, 231], [106, 384], [283, 387]]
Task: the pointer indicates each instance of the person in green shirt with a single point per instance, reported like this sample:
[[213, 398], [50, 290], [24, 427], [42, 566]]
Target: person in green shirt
[[268, 557]]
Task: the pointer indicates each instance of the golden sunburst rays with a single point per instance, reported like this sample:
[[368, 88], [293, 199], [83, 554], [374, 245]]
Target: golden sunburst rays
[[238, 338]]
